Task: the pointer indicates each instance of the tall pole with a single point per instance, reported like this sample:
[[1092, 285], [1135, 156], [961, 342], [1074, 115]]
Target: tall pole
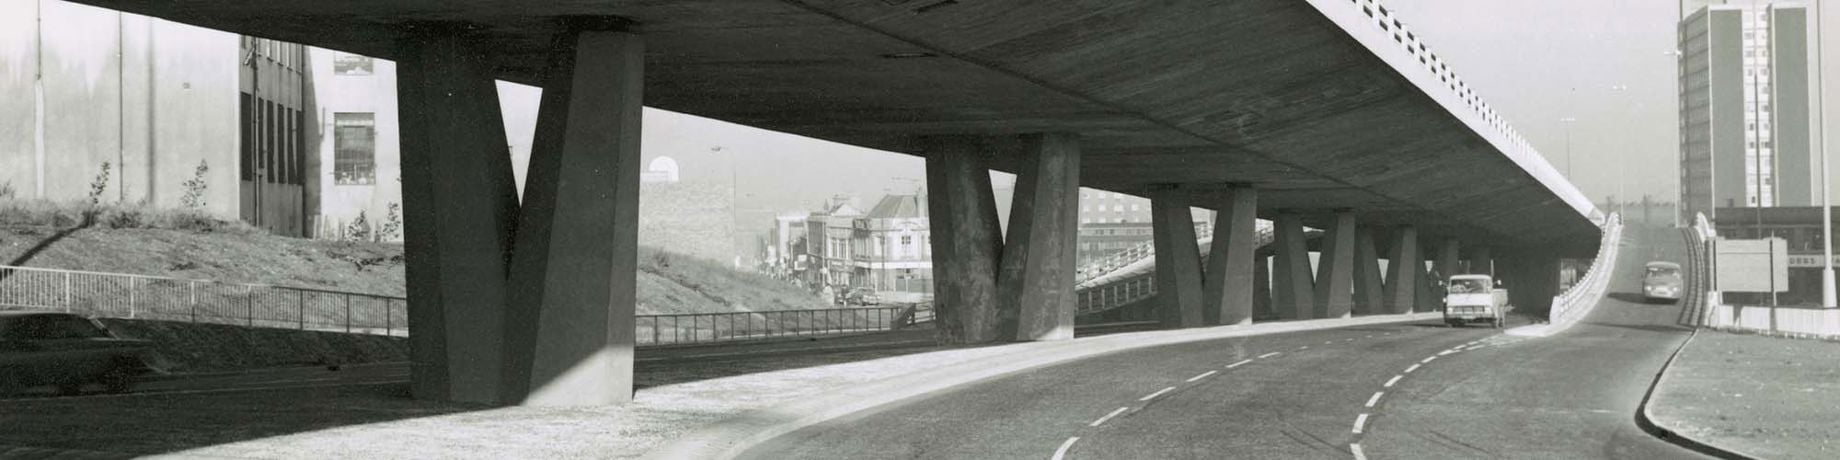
[[1827, 207]]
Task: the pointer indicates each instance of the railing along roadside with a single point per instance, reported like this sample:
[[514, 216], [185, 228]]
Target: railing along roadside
[[1124, 291], [120, 295], [128, 296], [1571, 304]]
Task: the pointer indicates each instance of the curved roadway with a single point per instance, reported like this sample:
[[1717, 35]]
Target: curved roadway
[[1399, 391]]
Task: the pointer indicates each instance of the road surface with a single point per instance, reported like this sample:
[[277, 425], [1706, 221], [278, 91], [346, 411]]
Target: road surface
[[1397, 391]]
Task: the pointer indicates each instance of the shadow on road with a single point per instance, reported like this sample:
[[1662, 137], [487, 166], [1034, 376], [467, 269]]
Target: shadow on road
[[1635, 298]]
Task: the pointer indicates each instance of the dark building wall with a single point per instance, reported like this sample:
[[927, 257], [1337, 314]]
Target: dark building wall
[[1725, 34]]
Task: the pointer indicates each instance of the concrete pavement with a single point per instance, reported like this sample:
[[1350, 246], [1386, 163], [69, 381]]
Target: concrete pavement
[[1753, 396]]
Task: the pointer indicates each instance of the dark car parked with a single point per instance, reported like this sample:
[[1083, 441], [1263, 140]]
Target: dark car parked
[[65, 351]]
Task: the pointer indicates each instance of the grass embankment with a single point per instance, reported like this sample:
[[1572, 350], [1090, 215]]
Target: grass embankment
[[180, 244]]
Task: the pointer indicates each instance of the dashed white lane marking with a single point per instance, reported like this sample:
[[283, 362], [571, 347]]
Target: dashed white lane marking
[[1114, 413], [1331, 342], [1370, 336], [1391, 381], [1375, 399], [1413, 368], [1157, 393], [1360, 422], [1446, 352], [1305, 347], [1202, 376], [1427, 360], [1238, 364], [1062, 452], [1356, 449], [1350, 339], [1268, 355]]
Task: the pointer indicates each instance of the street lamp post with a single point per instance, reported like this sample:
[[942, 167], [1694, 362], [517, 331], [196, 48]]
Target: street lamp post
[[1568, 145], [1827, 207], [1622, 171]]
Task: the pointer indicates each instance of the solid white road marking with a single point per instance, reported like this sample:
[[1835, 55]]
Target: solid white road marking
[[1395, 379], [1356, 449], [1375, 399], [1157, 393], [1109, 416], [1238, 364], [1202, 376], [1062, 452], [1359, 422], [1427, 360], [1268, 355], [1413, 368]]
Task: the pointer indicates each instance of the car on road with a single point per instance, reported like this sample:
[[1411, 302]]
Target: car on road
[[1661, 282], [1475, 299], [860, 296], [66, 351]]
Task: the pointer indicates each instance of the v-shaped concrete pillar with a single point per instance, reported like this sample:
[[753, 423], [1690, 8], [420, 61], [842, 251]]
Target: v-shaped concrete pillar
[[1481, 262], [1369, 289], [1230, 276], [1035, 283], [967, 240], [459, 207], [1178, 259], [1405, 271], [1293, 289], [1335, 269], [1448, 260], [573, 274]]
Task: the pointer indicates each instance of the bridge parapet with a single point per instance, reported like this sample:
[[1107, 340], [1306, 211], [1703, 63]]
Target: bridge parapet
[[1575, 302]]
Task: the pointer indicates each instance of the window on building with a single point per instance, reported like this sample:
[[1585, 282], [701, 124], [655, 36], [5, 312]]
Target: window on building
[[351, 64], [355, 154], [907, 240]]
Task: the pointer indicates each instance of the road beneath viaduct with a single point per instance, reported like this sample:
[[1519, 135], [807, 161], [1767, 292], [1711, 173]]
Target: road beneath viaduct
[[1400, 391]]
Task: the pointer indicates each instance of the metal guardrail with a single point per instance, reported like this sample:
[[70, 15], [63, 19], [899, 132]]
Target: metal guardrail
[[1696, 297], [1574, 302], [118, 295], [1127, 290]]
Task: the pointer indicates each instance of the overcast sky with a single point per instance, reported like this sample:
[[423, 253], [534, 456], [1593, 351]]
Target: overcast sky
[[1536, 62], [1540, 61]]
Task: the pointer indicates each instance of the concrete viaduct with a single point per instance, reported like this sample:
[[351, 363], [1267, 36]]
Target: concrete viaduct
[[1321, 113]]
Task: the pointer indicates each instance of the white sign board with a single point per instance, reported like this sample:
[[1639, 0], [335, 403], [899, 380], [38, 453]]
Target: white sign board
[[1751, 265], [1809, 260]]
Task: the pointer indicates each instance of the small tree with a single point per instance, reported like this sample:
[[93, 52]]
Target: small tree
[[100, 185], [196, 187], [392, 223], [358, 229]]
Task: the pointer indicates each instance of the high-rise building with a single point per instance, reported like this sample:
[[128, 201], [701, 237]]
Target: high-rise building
[[1744, 112]]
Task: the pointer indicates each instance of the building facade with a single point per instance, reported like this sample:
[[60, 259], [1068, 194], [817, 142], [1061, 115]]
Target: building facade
[[892, 249], [1744, 108], [1800, 227]]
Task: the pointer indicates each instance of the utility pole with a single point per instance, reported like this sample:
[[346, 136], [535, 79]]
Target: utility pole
[[1827, 207]]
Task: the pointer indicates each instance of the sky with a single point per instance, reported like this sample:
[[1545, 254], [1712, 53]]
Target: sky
[[1605, 64], [1538, 62]]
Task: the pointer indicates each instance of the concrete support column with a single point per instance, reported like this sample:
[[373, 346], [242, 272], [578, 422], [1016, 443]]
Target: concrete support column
[[1532, 280], [1261, 287], [1369, 289], [1178, 259], [1481, 262], [1405, 270], [460, 205], [1429, 296], [967, 240], [1035, 283], [578, 237], [1448, 261], [1335, 269], [1231, 258], [1293, 288]]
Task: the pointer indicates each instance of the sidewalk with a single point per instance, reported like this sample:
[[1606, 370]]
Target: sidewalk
[[1758, 396]]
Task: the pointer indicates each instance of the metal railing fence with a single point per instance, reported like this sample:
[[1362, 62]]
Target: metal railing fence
[[117, 295]]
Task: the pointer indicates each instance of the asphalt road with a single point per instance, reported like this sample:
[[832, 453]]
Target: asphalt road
[[1398, 391]]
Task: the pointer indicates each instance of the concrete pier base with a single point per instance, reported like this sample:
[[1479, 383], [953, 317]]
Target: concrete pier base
[[1293, 288], [1035, 283], [967, 241], [1369, 288], [1405, 272], [1230, 276], [1335, 269], [1178, 259]]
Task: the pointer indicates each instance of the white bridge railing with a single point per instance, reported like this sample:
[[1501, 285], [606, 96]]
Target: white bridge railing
[[1575, 302]]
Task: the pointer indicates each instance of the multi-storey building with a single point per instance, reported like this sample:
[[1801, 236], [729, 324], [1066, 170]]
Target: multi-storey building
[[1744, 112], [893, 251]]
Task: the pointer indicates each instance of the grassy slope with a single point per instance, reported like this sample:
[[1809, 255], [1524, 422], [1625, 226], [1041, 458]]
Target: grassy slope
[[233, 253]]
